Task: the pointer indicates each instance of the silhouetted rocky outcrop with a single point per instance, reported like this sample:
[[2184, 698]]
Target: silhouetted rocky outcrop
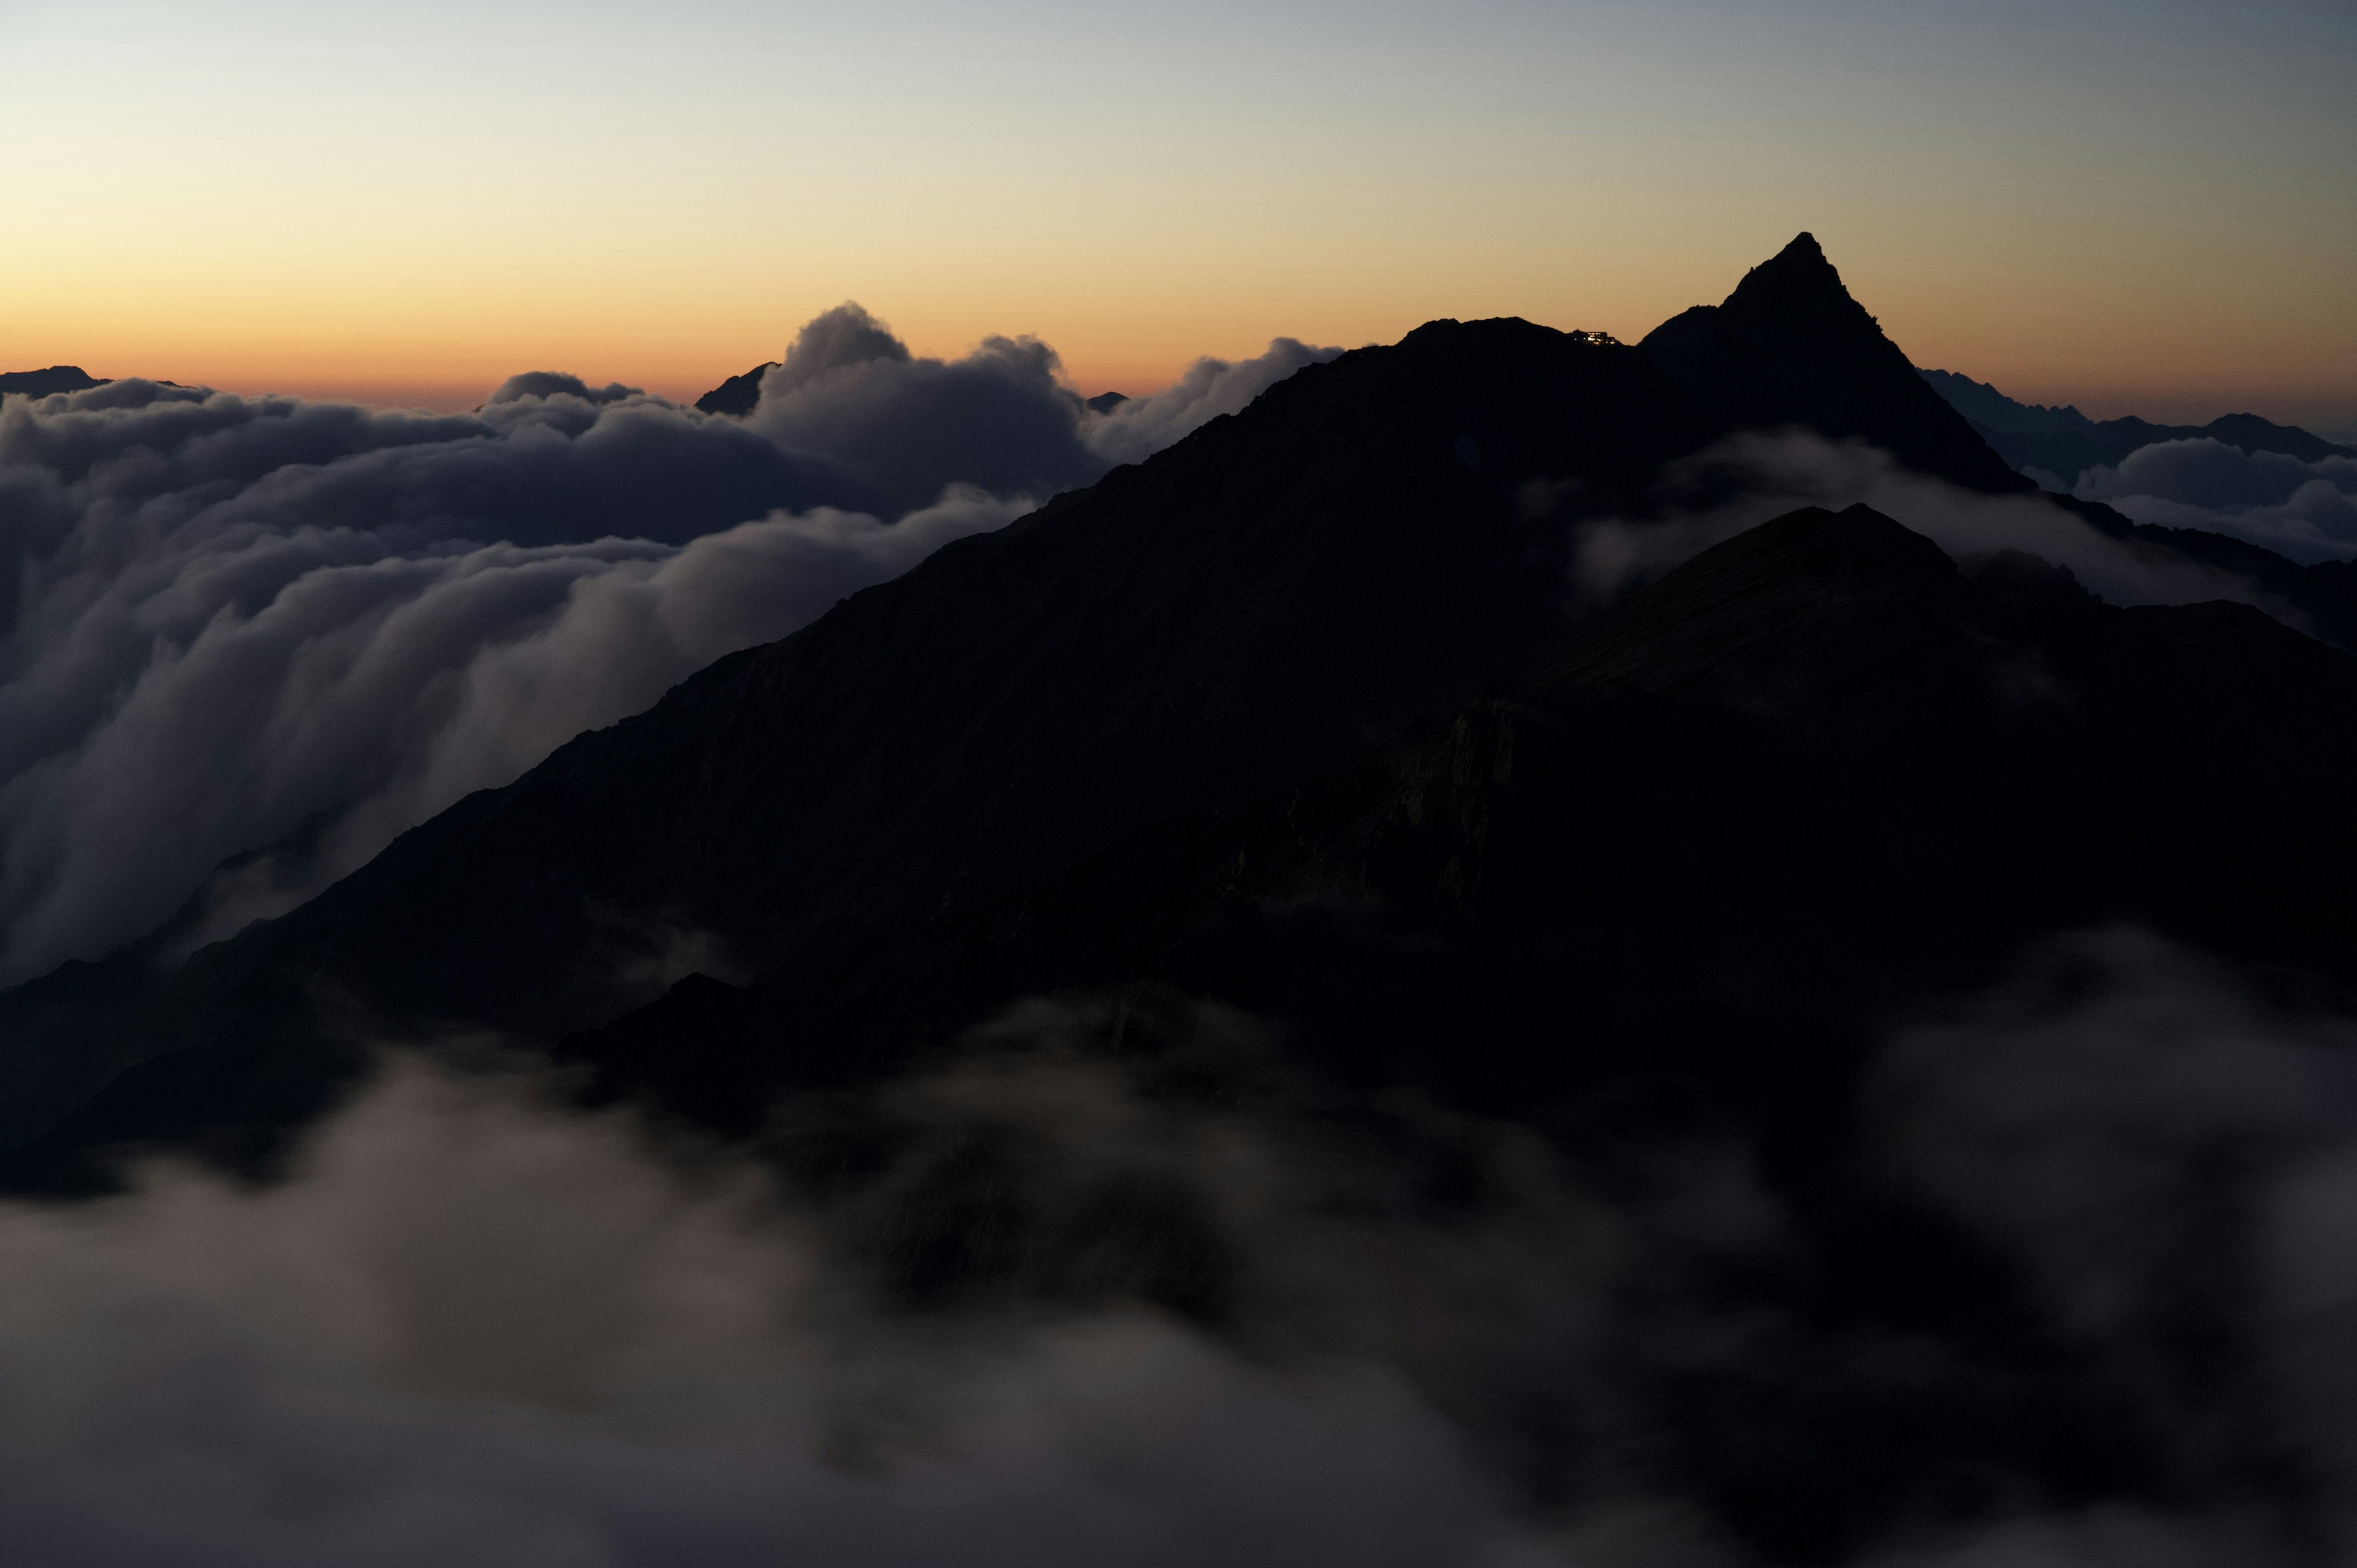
[[738, 395], [56, 378]]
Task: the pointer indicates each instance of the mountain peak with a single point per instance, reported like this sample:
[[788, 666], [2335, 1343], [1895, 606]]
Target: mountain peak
[[1791, 346], [1797, 279]]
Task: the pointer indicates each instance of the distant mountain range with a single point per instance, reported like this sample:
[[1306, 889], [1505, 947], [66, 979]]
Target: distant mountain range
[[2064, 443], [41, 383]]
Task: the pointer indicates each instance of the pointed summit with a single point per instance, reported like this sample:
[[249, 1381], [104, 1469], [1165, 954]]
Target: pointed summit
[[1804, 255], [1791, 345], [1797, 276]]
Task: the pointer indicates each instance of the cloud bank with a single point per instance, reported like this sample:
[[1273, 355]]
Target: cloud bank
[[2305, 510], [222, 618], [226, 616], [1002, 418], [1172, 1305]]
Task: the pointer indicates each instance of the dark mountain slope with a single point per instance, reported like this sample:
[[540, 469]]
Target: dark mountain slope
[[2319, 598], [1241, 614], [1695, 857], [2065, 443], [1790, 347], [1666, 891]]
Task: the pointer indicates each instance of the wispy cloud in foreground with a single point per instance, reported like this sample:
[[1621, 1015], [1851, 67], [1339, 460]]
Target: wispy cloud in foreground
[[1169, 1308]]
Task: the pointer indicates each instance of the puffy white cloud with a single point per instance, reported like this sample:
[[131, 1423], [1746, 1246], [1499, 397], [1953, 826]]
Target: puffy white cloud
[[2306, 510], [1001, 417]]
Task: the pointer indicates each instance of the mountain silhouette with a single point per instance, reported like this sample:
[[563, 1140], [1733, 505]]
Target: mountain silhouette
[[1790, 347], [1112, 745], [2065, 443], [738, 394], [1697, 842], [41, 383]]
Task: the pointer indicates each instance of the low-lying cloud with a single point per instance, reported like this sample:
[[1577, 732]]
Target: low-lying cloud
[[474, 1330], [224, 617], [2305, 510], [1169, 1304], [1750, 478]]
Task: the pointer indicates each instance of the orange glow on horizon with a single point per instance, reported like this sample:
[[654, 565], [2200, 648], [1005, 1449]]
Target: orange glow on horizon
[[413, 206], [2200, 358]]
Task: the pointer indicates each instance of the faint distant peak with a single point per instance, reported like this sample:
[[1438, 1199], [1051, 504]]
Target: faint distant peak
[[1105, 402], [2058, 443], [56, 378], [1992, 410]]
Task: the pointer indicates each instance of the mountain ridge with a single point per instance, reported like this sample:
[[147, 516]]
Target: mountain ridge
[[42, 383], [1235, 621], [2065, 443]]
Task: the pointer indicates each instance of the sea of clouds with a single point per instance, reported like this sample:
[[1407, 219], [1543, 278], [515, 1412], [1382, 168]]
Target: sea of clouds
[[224, 619]]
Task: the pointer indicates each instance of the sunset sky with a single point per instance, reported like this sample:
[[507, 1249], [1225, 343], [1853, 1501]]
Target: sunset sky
[[2138, 208]]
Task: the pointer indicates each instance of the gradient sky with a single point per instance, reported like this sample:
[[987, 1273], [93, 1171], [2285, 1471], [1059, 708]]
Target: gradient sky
[[2137, 208]]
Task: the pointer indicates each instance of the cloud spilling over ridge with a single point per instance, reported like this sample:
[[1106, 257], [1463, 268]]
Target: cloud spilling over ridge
[[223, 617], [1748, 478], [398, 694], [1001, 417], [2305, 510], [1142, 427], [1158, 1307]]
